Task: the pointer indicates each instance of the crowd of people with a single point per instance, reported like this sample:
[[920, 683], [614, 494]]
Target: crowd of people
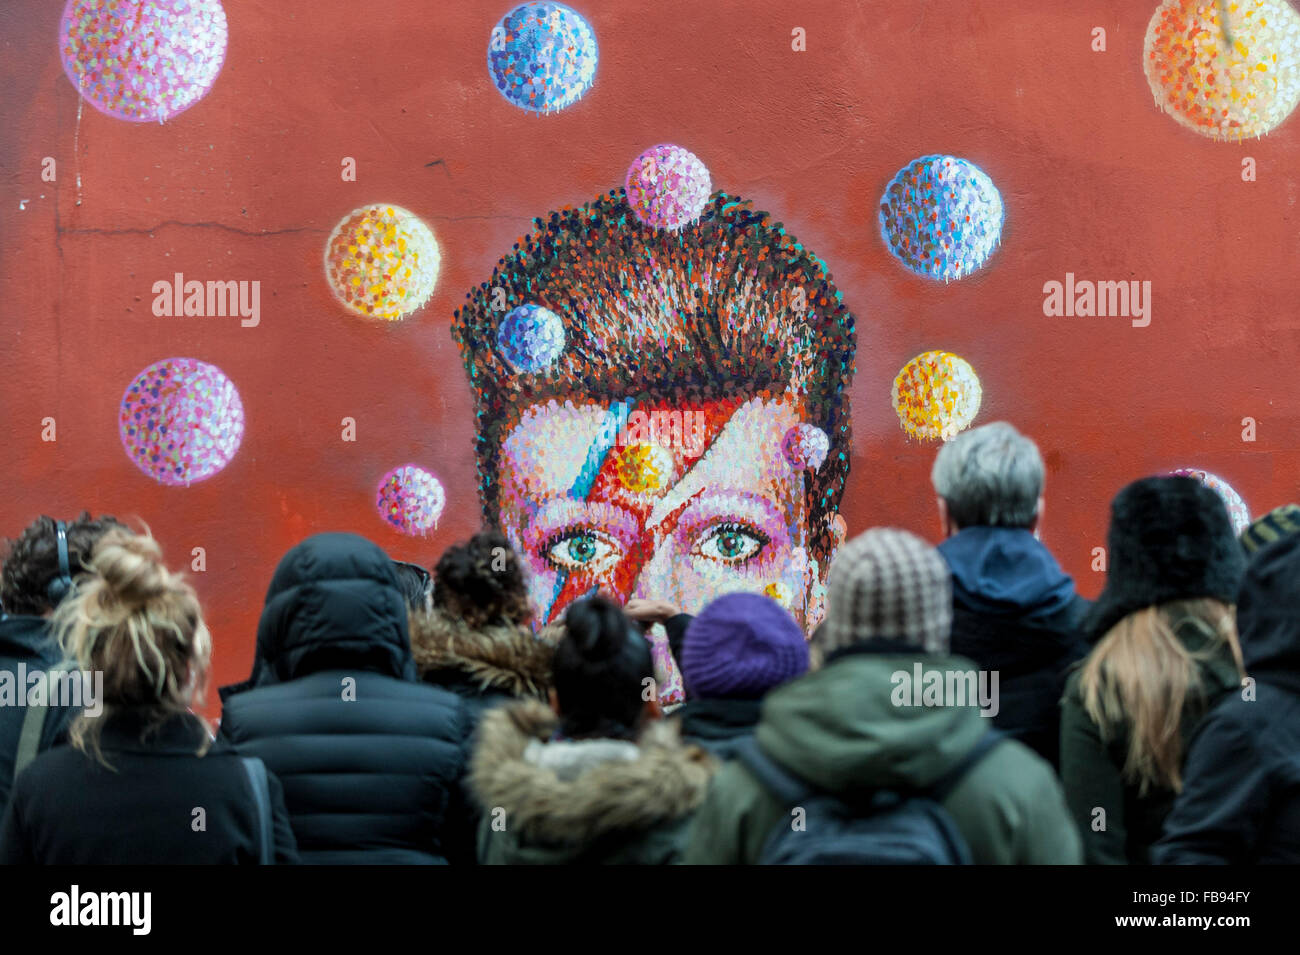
[[396, 715]]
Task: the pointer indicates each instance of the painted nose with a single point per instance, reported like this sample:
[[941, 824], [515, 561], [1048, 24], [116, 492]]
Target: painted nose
[[656, 581]]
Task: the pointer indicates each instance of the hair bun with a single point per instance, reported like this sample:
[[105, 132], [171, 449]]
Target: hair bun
[[131, 567], [601, 669], [597, 628]]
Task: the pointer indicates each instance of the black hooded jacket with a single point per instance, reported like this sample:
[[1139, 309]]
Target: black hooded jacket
[[26, 640], [370, 758], [1241, 784], [1016, 613]]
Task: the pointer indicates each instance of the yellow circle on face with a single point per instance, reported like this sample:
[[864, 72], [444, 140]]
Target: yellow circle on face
[[382, 262], [936, 395], [1224, 77], [778, 592], [644, 467]]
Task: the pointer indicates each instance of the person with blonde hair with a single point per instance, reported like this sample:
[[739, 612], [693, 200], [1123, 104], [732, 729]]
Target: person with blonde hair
[[141, 781], [1166, 652]]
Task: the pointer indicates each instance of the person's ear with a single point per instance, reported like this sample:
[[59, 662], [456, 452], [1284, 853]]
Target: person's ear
[[817, 573], [839, 533], [555, 702], [814, 608], [1036, 521], [947, 526]]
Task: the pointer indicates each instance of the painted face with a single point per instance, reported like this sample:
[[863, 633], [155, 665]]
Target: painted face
[[678, 503]]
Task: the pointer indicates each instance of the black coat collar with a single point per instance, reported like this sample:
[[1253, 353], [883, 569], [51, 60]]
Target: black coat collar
[[130, 731], [719, 719]]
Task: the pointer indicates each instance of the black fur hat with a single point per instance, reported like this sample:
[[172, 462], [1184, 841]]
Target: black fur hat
[[1170, 538]]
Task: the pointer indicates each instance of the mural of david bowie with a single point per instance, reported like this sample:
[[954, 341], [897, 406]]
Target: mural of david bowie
[[728, 326]]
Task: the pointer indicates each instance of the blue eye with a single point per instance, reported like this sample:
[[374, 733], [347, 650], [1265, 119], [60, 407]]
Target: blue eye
[[732, 544], [579, 550]]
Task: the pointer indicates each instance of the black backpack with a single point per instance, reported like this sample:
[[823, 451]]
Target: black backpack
[[888, 828]]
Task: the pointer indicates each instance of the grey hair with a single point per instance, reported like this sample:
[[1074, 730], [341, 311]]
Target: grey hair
[[989, 476]]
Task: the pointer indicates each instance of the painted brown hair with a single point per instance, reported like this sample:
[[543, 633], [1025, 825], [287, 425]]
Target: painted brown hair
[[729, 306]]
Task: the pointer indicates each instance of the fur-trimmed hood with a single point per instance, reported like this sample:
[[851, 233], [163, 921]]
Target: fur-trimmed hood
[[665, 782], [499, 658]]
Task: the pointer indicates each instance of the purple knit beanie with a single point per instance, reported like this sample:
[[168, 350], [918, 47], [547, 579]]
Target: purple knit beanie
[[740, 647]]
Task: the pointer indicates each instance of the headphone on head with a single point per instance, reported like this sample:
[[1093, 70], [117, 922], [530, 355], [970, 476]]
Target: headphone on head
[[61, 585]]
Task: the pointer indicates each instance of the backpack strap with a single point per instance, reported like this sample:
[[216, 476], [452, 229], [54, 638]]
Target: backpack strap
[[786, 786], [256, 771], [33, 728], [949, 780]]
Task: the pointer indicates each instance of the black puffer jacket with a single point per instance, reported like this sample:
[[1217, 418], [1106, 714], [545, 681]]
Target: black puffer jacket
[[1240, 802], [370, 759]]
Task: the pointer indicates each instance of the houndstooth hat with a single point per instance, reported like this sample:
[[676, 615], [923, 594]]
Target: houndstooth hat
[[889, 584], [1274, 525]]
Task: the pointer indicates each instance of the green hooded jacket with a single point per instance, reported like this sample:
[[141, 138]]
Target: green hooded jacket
[[840, 729]]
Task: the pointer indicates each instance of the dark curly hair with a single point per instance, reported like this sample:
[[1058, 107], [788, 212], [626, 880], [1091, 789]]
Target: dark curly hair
[[482, 582], [33, 559]]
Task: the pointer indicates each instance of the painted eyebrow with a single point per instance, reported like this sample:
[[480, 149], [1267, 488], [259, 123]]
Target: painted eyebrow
[[726, 502], [557, 511], [659, 513]]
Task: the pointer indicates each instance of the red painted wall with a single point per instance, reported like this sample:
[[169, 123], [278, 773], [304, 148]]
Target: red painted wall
[[245, 186]]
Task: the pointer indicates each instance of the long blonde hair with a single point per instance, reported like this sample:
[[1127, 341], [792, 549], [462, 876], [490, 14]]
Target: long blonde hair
[[139, 625], [1141, 676]]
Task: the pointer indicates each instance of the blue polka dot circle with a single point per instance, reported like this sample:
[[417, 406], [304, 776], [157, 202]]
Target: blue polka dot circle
[[941, 217], [542, 56], [531, 338]]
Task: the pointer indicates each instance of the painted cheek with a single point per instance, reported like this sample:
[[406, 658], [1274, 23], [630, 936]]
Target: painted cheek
[[790, 587], [578, 585], [540, 589], [574, 587]]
